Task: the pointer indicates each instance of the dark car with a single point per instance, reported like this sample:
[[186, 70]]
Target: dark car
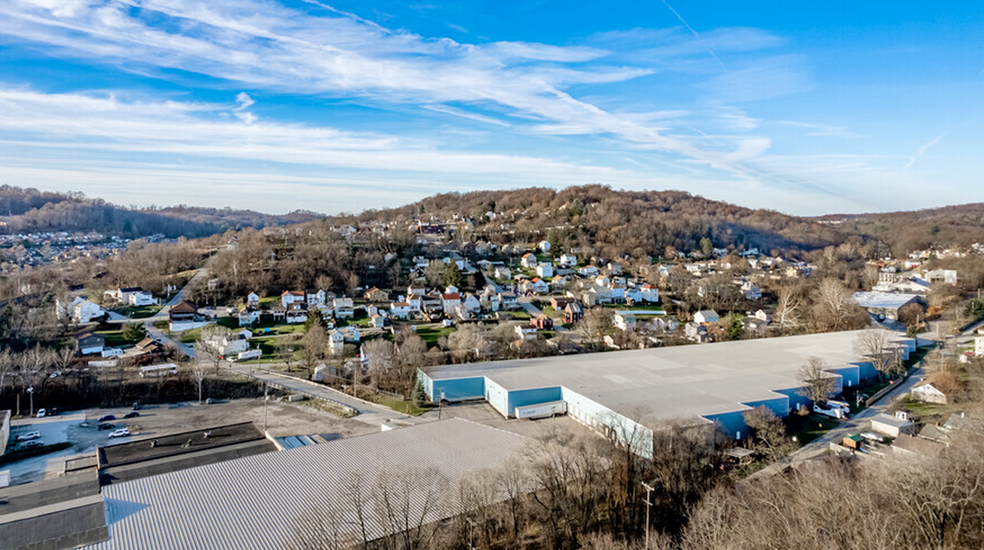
[[133, 414], [106, 426], [107, 417]]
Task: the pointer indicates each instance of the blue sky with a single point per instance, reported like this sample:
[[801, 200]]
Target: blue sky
[[348, 105]]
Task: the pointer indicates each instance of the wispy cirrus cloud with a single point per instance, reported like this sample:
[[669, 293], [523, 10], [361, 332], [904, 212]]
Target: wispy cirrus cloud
[[259, 44]]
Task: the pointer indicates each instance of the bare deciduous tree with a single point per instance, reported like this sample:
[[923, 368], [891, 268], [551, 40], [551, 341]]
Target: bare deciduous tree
[[878, 346], [818, 384], [770, 433], [199, 371]]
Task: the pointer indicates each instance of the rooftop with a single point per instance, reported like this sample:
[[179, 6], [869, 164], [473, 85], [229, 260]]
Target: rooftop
[[263, 501], [884, 300], [673, 382]]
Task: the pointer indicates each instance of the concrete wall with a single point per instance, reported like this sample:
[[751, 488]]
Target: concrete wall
[[456, 389], [609, 423], [68, 525], [498, 397]]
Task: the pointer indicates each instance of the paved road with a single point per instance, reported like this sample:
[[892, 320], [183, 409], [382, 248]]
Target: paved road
[[369, 413]]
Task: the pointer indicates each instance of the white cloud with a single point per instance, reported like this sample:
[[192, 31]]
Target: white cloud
[[264, 45]]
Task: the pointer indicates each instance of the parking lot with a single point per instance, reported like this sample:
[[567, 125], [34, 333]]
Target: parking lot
[[80, 428]]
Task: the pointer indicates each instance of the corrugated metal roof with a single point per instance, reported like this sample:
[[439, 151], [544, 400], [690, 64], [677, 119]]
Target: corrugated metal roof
[[260, 501]]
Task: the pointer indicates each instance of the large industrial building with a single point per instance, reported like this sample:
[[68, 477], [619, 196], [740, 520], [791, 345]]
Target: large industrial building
[[631, 392], [334, 494]]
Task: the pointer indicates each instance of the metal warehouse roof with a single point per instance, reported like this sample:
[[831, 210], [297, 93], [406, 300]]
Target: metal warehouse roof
[[262, 501], [883, 300], [674, 382]]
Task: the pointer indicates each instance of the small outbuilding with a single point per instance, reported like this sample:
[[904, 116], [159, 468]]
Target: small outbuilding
[[892, 426]]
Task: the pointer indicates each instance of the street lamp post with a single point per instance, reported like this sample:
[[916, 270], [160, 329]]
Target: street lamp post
[[30, 392]]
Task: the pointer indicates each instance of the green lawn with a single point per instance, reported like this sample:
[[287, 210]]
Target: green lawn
[[141, 312], [809, 428], [114, 338], [430, 335], [190, 336], [401, 406]]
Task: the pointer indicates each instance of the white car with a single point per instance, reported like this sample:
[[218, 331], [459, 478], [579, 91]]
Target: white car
[[29, 436], [41, 413], [122, 432], [32, 443]]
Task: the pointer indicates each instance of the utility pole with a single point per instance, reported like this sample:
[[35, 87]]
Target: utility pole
[[30, 392], [266, 398], [649, 504]]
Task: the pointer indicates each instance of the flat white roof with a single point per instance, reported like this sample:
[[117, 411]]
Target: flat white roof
[[673, 382]]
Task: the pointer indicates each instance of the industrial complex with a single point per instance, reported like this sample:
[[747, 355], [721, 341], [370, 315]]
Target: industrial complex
[[632, 392]]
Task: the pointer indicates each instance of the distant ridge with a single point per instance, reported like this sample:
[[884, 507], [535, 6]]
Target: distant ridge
[[31, 210]]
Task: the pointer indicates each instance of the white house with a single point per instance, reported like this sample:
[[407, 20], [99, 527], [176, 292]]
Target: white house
[[507, 300], [80, 310], [928, 393], [290, 297], [567, 260], [336, 341], [624, 321], [979, 346], [526, 332], [706, 316], [649, 293], [472, 303], [528, 260], [351, 333], [253, 300], [545, 270], [450, 301], [618, 291], [588, 271], [489, 299], [502, 273], [400, 310], [344, 308], [315, 298], [141, 298], [544, 246], [751, 291], [248, 316]]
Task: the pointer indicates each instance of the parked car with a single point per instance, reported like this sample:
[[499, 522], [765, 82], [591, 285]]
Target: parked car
[[29, 436], [107, 417], [106, 426], [136, 406], [122, 432], [133, 414], [41, 413], [32, 443]]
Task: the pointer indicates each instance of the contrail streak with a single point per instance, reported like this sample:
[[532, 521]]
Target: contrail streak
[[696, 35]]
